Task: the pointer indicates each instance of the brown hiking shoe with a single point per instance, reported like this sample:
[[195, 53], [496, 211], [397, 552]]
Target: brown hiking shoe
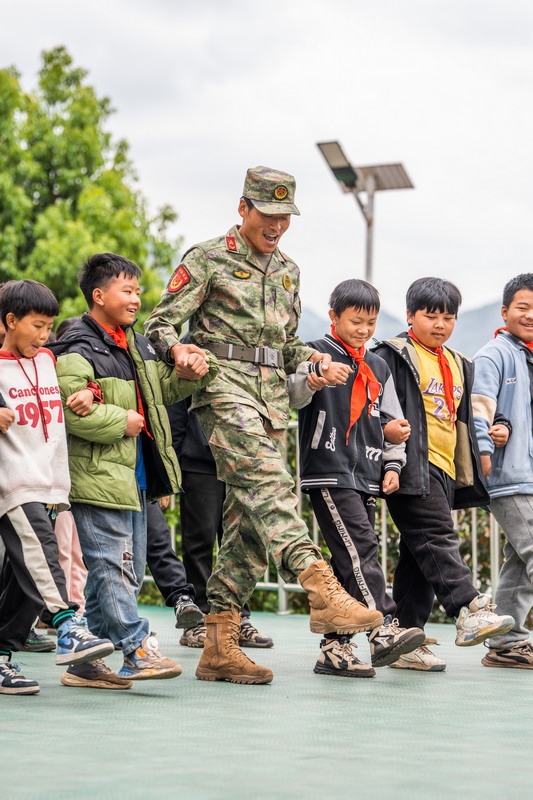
[[94, 675], [333, 609], [222, 659]]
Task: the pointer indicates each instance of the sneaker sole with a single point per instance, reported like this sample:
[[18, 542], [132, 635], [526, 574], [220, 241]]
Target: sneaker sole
[[90, 654], [487, 662], [26, 690], [190, 619], [323, 627], [489, 633], [434, 668], [209, 675], [83, 683], [155, 674], [248, 643], [401, 648], [320, 669]]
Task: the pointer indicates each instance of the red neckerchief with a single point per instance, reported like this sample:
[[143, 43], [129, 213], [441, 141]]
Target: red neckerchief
[[365, 384], [529, 345], [119, 337], [446, 373]]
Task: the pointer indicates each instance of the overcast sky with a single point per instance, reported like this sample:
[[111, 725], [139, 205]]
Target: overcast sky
[[206, 88]]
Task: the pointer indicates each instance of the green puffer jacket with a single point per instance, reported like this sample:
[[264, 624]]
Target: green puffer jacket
[[102, 460]]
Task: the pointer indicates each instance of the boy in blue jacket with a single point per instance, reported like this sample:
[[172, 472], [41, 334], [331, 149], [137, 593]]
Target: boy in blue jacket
[[345, 462], [503, 385]]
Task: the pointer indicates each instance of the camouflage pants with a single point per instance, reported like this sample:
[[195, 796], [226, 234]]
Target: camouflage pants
[[260, 518]]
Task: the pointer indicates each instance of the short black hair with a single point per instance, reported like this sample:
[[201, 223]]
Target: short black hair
[[248, 202], [433, 294], [523, 281], [27, 296], [64, 325], [100, 269], [354, 293]]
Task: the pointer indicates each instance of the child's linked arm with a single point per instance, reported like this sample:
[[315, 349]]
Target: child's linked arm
[[105, 423]]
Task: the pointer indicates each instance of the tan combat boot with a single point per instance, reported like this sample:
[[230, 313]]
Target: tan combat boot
[[333, 609], [222, 659]]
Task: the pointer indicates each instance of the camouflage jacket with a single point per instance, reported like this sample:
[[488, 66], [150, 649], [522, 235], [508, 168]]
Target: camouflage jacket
[[229, 297]]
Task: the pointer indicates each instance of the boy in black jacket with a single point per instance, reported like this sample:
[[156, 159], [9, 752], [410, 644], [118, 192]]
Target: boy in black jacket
[[442, 472], [345, 463]]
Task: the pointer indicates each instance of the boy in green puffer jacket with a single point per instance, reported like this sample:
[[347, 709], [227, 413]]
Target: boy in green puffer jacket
[[120, 456]]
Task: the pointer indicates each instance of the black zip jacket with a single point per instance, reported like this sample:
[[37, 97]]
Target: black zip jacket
[[400, 355]]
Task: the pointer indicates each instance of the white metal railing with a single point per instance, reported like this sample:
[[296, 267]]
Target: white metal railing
[[384, 530]]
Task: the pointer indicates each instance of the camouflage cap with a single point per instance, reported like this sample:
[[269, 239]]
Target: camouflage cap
[[270, 191]]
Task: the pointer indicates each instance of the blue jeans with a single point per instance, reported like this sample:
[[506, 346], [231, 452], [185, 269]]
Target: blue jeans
[[113, 542]]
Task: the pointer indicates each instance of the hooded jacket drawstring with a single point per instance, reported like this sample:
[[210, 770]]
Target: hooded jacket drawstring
[[35, 387]]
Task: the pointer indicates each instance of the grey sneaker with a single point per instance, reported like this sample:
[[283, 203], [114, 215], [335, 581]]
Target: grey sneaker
[[187, 612], [147, 662], [337, 658], [38, 643], [421, 659], [478, 622], [194, 637], [389, 642], [519, 656], [250, 636]]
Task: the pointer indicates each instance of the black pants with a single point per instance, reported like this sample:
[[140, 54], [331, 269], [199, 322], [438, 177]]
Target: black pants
[[201, 504], [32, 581], [430, 562], [346, 523], [167, 570]]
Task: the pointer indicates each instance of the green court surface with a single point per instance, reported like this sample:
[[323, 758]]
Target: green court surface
[[463, 733]]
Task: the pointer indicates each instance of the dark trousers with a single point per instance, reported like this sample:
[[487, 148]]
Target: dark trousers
[[32, 581], [201, 504], [429, 563], [346, 518], [167, 570]]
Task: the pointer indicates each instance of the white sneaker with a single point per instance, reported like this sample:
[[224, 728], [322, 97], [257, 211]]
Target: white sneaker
[[478, 622], [420, 659]]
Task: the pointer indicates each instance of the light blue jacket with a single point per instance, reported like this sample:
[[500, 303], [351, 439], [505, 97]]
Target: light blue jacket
[[502, 386]]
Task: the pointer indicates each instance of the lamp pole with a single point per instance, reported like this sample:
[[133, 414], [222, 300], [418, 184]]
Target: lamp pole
[[366, 180]]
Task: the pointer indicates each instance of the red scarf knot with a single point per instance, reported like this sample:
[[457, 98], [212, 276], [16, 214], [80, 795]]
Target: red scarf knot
[[365, 385], [446, 374]]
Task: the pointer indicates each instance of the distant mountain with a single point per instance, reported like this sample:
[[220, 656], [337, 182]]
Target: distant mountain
[[472, 330]]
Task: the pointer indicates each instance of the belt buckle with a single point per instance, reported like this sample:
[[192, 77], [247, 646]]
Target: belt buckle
[[271, 357]]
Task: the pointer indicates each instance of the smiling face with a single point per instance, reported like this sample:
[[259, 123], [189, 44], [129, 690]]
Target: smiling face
[[354, 326], [262, 232], [118, 302], [431, 328], [518, 315], [25, 335]]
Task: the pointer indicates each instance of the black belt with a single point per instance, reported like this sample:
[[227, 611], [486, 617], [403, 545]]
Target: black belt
[[266, 356]]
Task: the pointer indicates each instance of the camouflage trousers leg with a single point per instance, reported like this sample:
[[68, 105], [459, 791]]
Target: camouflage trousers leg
[[260, 517]]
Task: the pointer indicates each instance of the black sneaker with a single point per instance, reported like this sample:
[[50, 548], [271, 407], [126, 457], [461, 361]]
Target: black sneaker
[[250, 636], [37, 643], [94, 675], [389, 642], [12, 682], [337, 658], [187, 612]]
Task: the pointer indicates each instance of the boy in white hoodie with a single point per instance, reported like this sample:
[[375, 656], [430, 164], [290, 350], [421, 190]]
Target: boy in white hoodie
[[34, 486]]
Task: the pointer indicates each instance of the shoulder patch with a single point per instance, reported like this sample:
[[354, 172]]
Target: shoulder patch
[[180, 279]]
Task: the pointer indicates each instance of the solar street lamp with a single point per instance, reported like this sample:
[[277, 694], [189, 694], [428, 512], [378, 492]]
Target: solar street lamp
[[366, 181]]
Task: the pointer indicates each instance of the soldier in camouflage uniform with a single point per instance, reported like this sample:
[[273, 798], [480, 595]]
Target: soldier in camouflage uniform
[[240, 294]]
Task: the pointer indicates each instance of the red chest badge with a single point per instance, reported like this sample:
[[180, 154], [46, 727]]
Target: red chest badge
[[180, 279], [231, 244]]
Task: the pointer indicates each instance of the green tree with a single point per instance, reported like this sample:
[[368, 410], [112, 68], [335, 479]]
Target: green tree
[[67, 190]]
